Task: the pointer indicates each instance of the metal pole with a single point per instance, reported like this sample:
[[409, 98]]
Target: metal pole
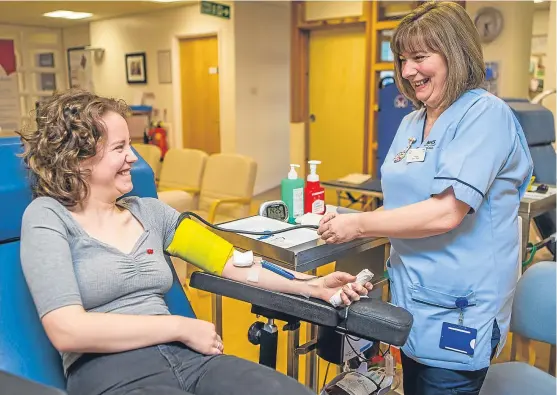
[[311, 357], [216, 301], [311, 360], [292, 356]]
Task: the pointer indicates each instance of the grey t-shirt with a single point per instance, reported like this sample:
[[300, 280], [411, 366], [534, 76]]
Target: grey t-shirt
[[64, 266]]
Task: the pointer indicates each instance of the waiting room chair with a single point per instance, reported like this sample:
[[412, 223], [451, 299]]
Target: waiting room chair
[[533, 317], [227, 187], [25, 350], [152, 155], [180, 177]]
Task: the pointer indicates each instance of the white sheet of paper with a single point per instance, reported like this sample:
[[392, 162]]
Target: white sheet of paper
[[539, 196], [260, 224]]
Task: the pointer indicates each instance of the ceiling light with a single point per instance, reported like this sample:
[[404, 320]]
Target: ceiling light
[[539, 1], [68, 14]]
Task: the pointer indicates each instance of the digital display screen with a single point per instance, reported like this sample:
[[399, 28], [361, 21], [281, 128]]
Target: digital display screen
[[276, 212]]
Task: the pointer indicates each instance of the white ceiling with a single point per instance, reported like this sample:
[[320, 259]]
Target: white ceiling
[[30, 13]]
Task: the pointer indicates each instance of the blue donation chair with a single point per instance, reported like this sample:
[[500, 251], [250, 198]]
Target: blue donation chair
[[533, 317], [393, 107], [25, 350], [539, 129]]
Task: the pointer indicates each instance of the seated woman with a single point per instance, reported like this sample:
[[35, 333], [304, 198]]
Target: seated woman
[[96, 269]]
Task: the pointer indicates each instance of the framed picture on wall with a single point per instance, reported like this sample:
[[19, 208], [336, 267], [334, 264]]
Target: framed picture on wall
[[136, 68]]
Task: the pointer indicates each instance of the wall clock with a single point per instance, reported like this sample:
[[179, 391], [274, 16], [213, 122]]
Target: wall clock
[[489, 23]]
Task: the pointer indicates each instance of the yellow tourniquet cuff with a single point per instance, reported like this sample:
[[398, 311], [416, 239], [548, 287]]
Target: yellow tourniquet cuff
[[199, 246]]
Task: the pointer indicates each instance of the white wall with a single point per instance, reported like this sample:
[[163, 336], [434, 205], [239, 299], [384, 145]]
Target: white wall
[[550, 70], [318, 10], [541, 22], [76, 36], [160, 31], [254, 74], [512, 48], [262, 32]]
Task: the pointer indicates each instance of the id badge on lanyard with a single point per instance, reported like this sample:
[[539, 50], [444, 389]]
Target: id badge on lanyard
[[457, 337]]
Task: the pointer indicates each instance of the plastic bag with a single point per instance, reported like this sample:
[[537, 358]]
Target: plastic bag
[[354, 383], [350, 383]]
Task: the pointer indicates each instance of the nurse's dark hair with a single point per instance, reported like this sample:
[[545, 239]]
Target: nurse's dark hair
[[446, 29], [69, 129]]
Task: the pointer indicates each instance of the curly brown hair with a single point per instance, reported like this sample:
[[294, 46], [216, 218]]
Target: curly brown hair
[[70, 129]]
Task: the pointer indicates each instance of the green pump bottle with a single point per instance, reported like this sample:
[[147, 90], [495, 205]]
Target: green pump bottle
[[292, 193]]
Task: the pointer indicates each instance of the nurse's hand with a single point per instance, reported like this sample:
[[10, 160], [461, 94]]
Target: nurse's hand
[[337, 228], [331, 283]]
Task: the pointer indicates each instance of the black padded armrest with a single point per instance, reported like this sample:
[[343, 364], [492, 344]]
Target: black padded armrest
[[370, 319], [11, 384]]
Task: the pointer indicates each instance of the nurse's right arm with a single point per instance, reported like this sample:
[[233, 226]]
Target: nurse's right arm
[[48, 268], [437, 215], [486, 142]]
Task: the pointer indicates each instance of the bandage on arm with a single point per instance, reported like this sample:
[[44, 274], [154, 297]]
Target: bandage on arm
[[199, 246]]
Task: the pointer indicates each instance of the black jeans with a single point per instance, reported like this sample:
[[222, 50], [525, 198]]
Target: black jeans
[[420, 379], [174, 369]]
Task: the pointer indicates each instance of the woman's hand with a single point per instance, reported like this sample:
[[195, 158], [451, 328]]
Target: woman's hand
[[335, 228], [331, 283], [200, 336]]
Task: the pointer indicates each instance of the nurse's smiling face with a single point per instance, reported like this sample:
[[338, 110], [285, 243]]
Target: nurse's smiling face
[[427, 73]]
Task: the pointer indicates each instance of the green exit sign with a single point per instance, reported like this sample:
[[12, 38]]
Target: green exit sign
[[215, 9]]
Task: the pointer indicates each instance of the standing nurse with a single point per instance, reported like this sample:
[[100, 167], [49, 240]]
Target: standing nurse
[[452, 183]]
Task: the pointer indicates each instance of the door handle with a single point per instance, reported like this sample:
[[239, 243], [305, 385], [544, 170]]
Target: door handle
[[312, 118]]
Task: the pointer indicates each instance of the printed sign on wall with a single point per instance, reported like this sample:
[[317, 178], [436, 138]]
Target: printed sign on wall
[[10, 112]]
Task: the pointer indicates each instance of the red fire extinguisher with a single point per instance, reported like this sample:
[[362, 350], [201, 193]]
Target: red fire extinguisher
[[157, 136]]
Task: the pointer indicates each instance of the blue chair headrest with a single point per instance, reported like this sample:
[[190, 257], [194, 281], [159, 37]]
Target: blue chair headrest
[[536, 121], [534, 305], [15, 193]]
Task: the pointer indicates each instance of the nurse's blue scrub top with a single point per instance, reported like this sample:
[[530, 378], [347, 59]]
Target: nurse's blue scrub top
[[477, 147]]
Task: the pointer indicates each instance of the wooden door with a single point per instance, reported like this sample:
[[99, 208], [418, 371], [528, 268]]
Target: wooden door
[[337, 101], [200, 94]]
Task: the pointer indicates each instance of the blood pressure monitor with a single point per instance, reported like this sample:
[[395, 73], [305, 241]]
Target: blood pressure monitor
[[275, 209]]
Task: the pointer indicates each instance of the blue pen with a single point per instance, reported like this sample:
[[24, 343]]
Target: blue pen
[[265, 236], [277, 269]]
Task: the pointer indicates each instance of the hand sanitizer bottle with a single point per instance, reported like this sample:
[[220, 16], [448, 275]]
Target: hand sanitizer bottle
[[314, 199], [292, 193]]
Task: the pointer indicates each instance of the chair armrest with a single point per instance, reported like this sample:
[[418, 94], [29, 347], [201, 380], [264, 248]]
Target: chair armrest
[[192, 190], [16, 385], [370, 319], [214, 205]]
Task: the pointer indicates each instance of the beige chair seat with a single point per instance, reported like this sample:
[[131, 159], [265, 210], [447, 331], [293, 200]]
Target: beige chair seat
[[179, 200], [227, 187]]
